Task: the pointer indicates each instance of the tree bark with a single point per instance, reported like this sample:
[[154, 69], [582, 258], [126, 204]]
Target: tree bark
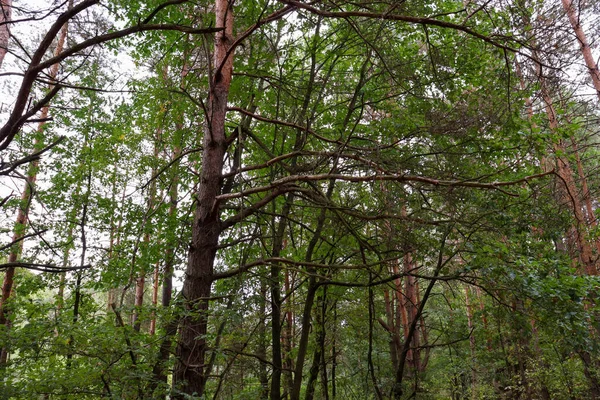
[[5, 18], [309, 301], [26, 197], [189, 374], [583, 44], [276, 302]]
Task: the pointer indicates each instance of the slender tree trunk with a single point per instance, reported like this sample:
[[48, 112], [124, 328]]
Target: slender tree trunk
[[321, 341], [276, 302], [159, 372], [334, 354], [317, 354], [275, 393], [155, 289], [60, 296], [140, 281], [370, 365], [391, 327], [287, 340], [189, 373], [5, 18], [78, 293], [261, 352], [586, 52], [569, 193], [397, 390], [114, 239], [26, 197], [470, 323], [310, 297]]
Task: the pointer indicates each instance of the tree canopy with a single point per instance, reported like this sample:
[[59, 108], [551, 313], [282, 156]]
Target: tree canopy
[[284, 199]]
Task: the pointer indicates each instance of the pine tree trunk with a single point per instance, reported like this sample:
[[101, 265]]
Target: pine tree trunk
[[583, 44], [26, 197], [569, 193], [189, 374], [5, 18]]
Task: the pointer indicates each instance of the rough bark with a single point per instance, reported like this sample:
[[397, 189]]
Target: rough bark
[[568, 193], [189, 375], [5, 18], [586, 52], [26, 197]]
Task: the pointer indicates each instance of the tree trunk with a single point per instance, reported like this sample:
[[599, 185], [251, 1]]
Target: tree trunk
[[310, 297], [189, 374], [569, 193], [115, 230], [470, 323], [276, 303], [5, 18], [318, 352], [140, 281], [583, 43], [26, 197]]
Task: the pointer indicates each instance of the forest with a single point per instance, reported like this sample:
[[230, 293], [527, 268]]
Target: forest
[[299, 199]]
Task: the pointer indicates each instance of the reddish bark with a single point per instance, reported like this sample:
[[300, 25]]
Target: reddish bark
[[583, 44], [5, 18], [568, 193], [189, 375], [22, 216]]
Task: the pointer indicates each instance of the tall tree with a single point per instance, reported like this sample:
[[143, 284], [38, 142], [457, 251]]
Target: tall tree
[[5, 20]]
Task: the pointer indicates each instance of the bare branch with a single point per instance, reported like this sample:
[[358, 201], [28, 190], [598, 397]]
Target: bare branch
[[42, 267], [387, 177]]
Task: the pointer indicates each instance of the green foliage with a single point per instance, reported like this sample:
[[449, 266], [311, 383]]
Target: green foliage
[[373, 158]]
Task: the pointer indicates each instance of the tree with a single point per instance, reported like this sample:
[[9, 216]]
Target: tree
[[341, 199], [5, 19]]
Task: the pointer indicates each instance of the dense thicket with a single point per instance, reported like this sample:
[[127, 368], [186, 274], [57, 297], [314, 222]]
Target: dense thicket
[[289, 199]]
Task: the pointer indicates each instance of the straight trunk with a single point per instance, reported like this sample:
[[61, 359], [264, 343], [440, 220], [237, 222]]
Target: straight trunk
[[310, 297], [189, 374], [288, 334], [155, 287], [261, 352], [318, 353], [276, 303], [114, 230], [392, 328], [469, 308], [140, 281], [5, 18], [26, 197]]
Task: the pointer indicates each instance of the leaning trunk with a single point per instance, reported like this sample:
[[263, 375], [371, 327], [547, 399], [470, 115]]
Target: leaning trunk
[[26, 197], [586, 52]]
